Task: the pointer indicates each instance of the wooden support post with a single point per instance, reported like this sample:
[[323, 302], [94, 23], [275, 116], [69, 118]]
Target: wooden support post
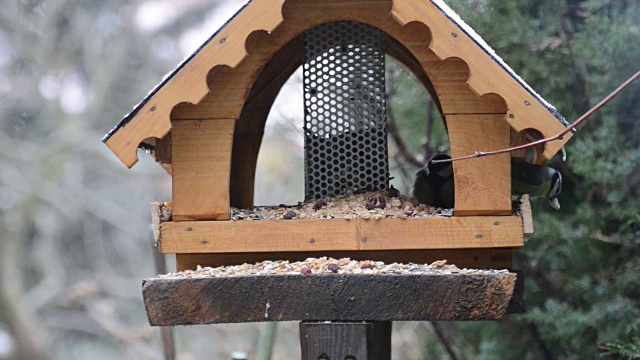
[[483, 185], [201, 155], [346, 340]]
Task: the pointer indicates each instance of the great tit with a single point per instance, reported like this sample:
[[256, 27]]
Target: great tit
[[536, 180], [434, 183]]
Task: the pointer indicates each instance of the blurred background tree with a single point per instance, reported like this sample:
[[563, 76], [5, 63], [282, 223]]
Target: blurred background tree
[[583, 283], [75, 240]]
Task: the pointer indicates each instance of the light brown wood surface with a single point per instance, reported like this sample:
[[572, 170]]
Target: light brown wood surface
[[201, 166], [443, 233], [527, 217], [518, 138], [234, 72], [482, 185], [340, 235], [163, 150]]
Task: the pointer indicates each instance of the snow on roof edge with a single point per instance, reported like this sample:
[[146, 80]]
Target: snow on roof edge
[[125, 120], [455, 18]]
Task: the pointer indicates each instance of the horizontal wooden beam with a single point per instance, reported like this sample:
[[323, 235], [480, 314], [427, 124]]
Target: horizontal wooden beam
[[190, 237], [492, 258], [189, 301]]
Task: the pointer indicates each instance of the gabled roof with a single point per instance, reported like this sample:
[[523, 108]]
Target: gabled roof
[[187, 82], [167, 77]]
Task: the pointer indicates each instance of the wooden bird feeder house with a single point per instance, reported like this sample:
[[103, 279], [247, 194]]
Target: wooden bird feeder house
[[204, 124]]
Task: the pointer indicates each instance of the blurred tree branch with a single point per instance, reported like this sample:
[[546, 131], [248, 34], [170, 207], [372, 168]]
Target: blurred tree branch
[[444, 341], [28, 335], [404, 152], [545, 286], [427, 134]]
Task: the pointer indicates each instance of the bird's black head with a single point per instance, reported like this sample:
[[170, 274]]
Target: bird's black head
[[440, 169]]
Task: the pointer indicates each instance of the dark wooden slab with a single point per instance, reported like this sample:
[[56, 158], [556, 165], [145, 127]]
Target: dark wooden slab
[[189, 301]]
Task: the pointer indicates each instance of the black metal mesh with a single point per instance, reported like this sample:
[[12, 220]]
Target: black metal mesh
[[345, 110]]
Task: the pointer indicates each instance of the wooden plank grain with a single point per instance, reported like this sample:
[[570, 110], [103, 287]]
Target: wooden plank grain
[[201, 157], [345, 340], [483, 185], [333, 297], [527, 217], [489, 258], [257, 236], [191, 237], [441, 233]]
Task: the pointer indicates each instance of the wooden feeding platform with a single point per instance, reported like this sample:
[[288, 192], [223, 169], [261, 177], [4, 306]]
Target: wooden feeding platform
[[351, 290], [431, 295], [204, 124]]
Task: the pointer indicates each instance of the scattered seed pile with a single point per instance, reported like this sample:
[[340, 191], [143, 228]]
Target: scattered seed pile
[[326, 265], [369, 205]]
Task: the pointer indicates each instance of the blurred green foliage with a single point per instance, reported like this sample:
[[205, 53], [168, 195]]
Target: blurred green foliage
[[583, 266]]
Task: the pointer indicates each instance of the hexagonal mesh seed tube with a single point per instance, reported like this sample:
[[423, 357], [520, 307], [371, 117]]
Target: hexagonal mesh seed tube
[[345, 110]]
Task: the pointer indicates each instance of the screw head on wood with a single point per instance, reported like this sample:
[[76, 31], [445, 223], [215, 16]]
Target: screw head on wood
[[478, 236], [454, 35], [511, 116]]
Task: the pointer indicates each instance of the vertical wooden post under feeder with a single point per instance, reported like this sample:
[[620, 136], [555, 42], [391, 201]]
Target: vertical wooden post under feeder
[[349, 341], [204, 124]]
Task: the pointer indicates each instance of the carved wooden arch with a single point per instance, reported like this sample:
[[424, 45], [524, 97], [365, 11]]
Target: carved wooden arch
[[234, 94], [251, 122], [409, 44], [230, 46]]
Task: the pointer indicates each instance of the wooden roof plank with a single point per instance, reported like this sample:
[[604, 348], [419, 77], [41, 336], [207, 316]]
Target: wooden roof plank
[[451, 38], [151, 118]]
